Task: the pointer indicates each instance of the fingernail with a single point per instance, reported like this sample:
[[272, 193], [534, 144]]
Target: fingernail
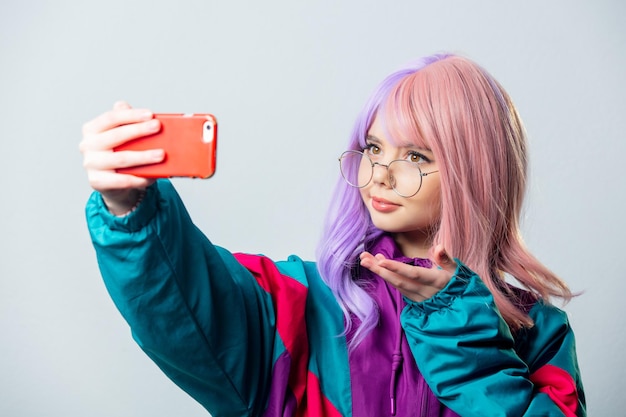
[[153, 125], [156, 154], [146, 115]]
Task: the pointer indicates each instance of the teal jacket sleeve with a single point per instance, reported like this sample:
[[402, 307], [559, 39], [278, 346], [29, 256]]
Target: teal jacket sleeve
[[190, 305], [475, 366]]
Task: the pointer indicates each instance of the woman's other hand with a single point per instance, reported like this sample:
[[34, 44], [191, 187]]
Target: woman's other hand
[[414, 282]]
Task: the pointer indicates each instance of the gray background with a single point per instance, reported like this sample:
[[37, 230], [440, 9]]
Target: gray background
[[286, 80]]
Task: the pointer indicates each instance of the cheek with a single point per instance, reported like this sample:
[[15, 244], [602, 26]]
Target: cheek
[[436, 206], [363, 194], [365, 174], [436, 198], [429, 199]]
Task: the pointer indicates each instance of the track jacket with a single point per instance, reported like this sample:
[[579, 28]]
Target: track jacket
[[246, 336]]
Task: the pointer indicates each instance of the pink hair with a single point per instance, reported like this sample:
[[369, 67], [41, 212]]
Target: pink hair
[[476, 135]]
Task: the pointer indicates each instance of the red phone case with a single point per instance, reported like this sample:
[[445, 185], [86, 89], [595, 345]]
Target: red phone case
[[189, 142]]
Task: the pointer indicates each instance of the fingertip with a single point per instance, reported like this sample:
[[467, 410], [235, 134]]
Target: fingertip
[[147, 182], [442, 259], [157, 155]]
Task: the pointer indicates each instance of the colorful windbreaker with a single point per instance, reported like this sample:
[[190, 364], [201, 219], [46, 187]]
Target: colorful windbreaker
[[246, 336]]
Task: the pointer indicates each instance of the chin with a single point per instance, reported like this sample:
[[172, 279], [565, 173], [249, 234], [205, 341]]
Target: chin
[[386, 226]]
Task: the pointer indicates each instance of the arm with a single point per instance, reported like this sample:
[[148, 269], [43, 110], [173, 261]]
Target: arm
[[471, 361], [191, 306], [549, 349]]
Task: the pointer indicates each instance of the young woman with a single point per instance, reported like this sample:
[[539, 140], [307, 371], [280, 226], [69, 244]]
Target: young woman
[[407, 312]]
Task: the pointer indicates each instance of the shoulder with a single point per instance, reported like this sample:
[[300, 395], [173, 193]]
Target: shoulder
[[546, 315], [550, 333]]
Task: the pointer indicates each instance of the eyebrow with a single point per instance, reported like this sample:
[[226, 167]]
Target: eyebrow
[[372, 138]]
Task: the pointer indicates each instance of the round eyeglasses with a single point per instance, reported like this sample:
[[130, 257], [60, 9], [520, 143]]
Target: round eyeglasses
[[405, 177]]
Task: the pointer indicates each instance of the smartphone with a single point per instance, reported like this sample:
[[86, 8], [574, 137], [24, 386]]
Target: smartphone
[[189, 142]]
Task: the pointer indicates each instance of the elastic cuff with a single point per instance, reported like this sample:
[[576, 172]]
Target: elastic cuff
[[446, 296], [136, 218]]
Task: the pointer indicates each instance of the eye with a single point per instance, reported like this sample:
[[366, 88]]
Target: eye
[[417, 158], [372, 149]]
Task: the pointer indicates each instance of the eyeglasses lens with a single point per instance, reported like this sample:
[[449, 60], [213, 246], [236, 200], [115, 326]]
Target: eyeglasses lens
[[357, 169]]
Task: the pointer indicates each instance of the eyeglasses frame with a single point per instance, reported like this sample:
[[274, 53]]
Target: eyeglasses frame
[[373, 164]]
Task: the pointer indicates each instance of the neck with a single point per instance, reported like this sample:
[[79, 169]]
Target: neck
[[414, 244]]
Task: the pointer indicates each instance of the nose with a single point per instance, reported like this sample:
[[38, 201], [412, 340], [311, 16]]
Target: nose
[[380, 176]]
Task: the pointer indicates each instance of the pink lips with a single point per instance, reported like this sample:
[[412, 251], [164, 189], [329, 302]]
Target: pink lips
[[383, 206]]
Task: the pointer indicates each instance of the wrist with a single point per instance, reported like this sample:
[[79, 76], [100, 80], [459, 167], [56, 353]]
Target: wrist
[[124, 203]]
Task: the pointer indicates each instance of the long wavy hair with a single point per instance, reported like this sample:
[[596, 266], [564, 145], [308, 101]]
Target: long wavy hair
[[455, 108]]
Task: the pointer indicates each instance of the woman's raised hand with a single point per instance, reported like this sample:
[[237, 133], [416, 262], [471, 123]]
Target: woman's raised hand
[[100, 136], [414, 282]]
